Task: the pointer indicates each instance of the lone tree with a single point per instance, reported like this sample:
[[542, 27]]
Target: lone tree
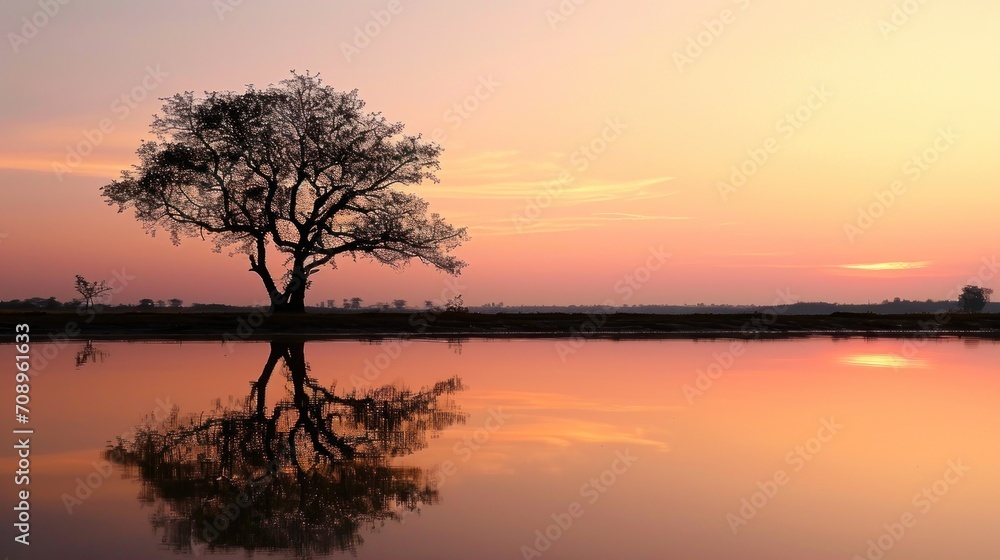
[[90, 291], [974, 298], [296, 170]]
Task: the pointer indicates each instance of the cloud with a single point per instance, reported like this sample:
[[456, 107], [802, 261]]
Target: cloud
[[510, 175], [492, 188], [567, 223], [898, 265]]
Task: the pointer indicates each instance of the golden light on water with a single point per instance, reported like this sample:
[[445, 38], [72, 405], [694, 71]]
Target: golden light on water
[[893, 361]]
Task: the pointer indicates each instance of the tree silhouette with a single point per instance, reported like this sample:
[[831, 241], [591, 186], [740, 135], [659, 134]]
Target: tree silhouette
[[298, 168], [90, 291], [305, 474], [974, 298], [456, 305]]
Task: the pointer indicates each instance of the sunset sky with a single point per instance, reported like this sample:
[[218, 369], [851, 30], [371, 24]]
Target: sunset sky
[[842, 150]]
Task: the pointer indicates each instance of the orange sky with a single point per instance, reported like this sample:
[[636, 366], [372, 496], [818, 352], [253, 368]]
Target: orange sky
[[649, 109]]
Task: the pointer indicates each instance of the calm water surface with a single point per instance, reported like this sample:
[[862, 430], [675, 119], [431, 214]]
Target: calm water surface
[[514, 449]]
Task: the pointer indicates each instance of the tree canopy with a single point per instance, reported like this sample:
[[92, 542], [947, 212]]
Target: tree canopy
[[298, 169], [974, 298]]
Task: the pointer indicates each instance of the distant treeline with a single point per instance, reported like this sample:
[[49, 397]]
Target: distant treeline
[[804, 308], [897, 306]]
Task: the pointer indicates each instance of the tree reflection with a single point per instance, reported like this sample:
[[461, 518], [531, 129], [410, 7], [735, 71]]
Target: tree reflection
[[305, 474], [89, 354]]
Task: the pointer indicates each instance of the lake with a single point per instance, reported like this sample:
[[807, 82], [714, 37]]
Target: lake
[[814, 448]]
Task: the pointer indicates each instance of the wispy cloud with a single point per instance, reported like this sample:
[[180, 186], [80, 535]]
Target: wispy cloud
[[897, 265], [568, 223], [756, 254], [869, 267], [573, 193]]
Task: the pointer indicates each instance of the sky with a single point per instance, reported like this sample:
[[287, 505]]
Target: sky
[[630, 152]]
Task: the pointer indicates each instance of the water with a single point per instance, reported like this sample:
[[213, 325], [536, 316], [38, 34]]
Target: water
[[674, 449]]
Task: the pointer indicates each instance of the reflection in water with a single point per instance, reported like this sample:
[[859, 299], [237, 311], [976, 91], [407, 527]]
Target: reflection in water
[[893, 361], [89, 354], [304, 474]]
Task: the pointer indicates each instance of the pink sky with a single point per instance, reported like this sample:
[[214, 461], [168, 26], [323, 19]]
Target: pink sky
[[838, 96]]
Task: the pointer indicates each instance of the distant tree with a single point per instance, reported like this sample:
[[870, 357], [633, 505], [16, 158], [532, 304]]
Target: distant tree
[[161, 303], [146, 303], [90, 291], [428, 304], [176, 303], [356, 303], [399, 304], [456, 305], [298, 169], [347, 303], [974, 298]]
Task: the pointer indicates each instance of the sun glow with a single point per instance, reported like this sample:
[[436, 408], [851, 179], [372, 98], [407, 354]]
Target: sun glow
[[893, 361]]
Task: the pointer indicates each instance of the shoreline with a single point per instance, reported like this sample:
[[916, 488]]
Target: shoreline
[[254, 326]]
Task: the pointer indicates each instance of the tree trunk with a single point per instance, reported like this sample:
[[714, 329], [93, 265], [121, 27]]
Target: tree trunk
[[295, 292], [278, 300], [289, 307]]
